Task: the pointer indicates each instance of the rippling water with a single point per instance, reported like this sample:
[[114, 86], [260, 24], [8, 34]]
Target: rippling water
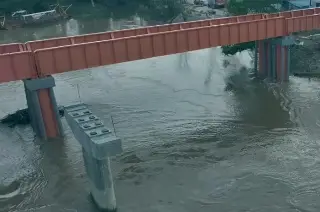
[[189, 144]]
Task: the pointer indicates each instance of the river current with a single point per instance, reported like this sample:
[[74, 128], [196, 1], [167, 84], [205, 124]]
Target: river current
[[189, 143]]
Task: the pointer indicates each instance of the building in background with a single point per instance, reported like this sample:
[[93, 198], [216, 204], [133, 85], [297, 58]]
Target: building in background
[[315, 3], [217, 3], [297, 4], [211, 3]]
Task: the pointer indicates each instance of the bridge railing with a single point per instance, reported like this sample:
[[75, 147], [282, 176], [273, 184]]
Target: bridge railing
[[87, 55], [55, 42], [34, 45], [66, 54], [294, 13], [17, 66], [12, 47], [10, 70], [303, 23]]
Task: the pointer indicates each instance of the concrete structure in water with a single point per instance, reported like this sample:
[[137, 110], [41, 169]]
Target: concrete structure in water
[[272, 58], [42, 107], [98, 145]]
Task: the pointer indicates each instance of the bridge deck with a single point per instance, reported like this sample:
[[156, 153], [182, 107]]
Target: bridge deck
[[98, 53], [11, 47], [34, 45], [46, 57], [17, 66]]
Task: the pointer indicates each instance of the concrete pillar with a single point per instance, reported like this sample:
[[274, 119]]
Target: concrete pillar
[[98, 145], [263, 59], [274, 58], [42, 107], [100, 180], [256, 57]]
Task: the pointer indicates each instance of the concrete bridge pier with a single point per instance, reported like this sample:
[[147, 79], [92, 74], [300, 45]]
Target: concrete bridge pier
[[98, 145], [272, 58], [42, 107]]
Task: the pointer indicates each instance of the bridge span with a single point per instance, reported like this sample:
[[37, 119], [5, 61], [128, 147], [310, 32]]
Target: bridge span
[[51, 56]]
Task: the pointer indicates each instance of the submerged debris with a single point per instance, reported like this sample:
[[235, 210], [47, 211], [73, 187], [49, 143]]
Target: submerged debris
[[21, 117]]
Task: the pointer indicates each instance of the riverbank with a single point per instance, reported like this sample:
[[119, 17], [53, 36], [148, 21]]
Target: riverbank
[[197, 12], [188, 12], [305, 56], [87, 11]]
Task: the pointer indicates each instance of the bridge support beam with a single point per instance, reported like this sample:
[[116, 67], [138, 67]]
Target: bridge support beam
[[98, 144], [273, 58], [42, 107]]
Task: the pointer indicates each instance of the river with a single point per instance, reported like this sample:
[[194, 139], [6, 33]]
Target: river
[[189, 144]]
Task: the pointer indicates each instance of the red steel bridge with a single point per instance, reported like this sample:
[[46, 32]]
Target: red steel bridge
[[34, 62]]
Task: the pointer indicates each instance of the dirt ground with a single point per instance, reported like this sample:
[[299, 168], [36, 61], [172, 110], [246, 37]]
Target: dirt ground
[[196, 12], [305, 56]]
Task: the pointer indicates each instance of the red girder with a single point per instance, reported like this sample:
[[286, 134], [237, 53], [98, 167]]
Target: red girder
[[51, 56]]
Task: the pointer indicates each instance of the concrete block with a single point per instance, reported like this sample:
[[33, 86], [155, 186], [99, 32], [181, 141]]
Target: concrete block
[[91, 132], [98, 144], [101, 182], [40, 83], [35, 109]]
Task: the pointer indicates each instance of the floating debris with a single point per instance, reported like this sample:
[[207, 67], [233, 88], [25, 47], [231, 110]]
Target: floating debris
[[21, 117]]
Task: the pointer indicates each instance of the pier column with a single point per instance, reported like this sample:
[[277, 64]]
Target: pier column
[[42, 107], [273, 58], [98, 145]]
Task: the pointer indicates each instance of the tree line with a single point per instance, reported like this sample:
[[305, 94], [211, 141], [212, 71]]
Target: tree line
[[9, 6]]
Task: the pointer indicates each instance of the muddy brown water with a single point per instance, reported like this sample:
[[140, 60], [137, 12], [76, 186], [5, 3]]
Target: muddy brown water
[[189, 145]]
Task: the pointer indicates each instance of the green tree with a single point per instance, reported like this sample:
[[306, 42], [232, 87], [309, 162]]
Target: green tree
[[9, 6], [243, 7], [161, 10]]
